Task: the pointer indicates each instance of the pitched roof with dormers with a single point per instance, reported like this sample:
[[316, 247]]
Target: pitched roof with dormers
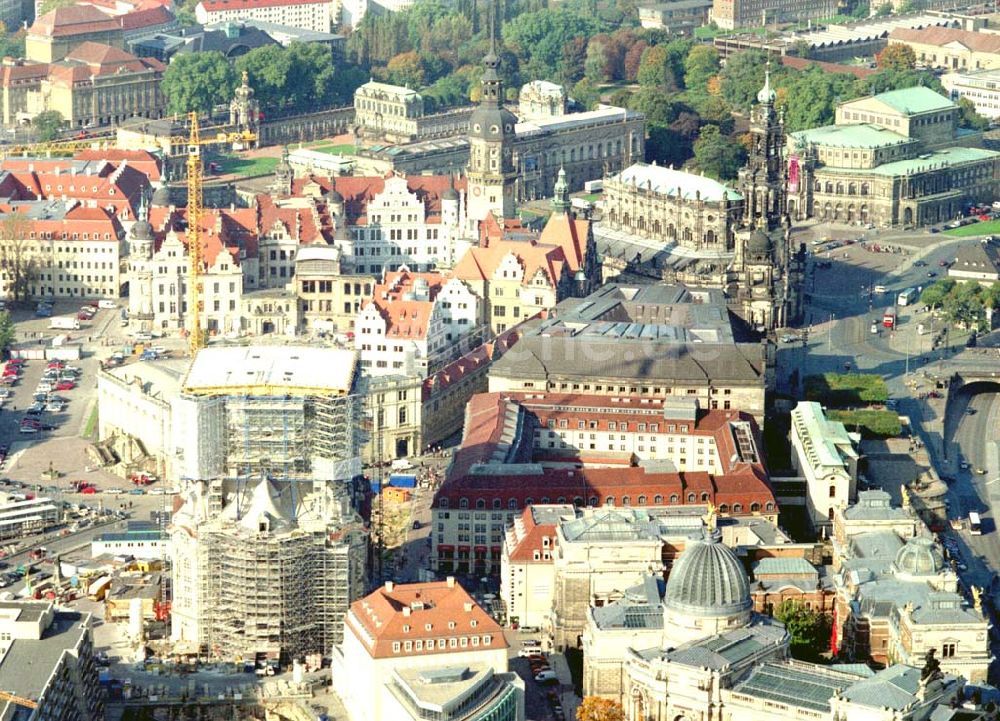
[[533, 533], [570, 233], [232, 230], [359, 191], [56, 220], [115, 187], [476, 359], [306, 219], [89, 60], [497, 461], [481, 264], [440, 612]]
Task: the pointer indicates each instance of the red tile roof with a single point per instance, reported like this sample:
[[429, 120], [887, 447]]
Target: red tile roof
[[400, 613], [214, 6], [461, 368], [91, 59], [790, 61], [73, 20], [232, 230], [976, 41], [490, 415], [530, 538], [23, 73], [94, 223], [142, 160], [569, 233], [118, 187], [308, 225], [145, 17], [358, 191]]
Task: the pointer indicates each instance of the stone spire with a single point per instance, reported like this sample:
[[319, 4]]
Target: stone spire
[[560, 193]]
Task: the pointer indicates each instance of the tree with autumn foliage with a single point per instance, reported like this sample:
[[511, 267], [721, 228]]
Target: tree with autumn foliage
[[594, 708], [897, 57]]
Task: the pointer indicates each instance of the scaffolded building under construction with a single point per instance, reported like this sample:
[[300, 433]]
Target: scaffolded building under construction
[[273, 550]]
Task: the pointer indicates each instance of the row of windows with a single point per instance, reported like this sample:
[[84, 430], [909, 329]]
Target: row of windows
[[441, 643], [641, 500]]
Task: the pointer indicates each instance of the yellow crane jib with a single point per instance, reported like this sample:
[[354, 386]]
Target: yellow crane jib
[[19, 700], [194, 141]]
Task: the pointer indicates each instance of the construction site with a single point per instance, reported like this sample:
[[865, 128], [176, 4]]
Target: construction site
[[269, 552]]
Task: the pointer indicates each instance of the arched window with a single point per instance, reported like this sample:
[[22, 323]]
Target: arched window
[[545, 500], [691, 498], [626, 501], [723, 508], [710, 236], [561, 499], [840, 188], [671, 232], [674, 498], [609, 501], [704, 497], [578, 502], [829, 187], [512, 504], [463, 502], [852, 189], [444, 502], [642, 500], [496, 504], [769, 506], [864, 188], [480, 503], [529, 501], [737, 508], [592, 501], [755, 508], [658, 499], [657, 228]]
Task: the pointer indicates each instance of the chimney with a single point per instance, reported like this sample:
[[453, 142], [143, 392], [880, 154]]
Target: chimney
[[406, 611], [468, 607], [389, 585], [451, 581]]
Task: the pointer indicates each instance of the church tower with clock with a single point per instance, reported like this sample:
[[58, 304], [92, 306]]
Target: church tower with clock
[[491, 174]]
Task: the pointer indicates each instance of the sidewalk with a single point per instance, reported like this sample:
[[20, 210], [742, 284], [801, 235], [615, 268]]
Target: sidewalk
[[570, 701]]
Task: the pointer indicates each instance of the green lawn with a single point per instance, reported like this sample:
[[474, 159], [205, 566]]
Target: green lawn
[[332, 149], [706, 32], [871, 423], [247, 167], [592, 198], [846, 389], [967, 231]]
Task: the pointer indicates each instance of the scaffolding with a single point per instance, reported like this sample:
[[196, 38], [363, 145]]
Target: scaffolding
[[282, 594]]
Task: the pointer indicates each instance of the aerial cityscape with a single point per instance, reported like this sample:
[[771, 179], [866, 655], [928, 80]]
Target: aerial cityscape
[[442, 360]]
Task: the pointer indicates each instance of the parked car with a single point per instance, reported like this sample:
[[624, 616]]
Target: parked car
[[546, 677], [65, 386]]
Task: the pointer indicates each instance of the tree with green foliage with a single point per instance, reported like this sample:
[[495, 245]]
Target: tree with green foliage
[[887, 80], [701, 64], [717, 155], [811, 97], [7, 332], [742, 78], [539, 38], [969, 117], [406, 69], [809, 630], [198, 82], [897, 56], [658, 107], [11, 43], [667, 147], [269, 69], [48, 125], [656, 70], [934, 294], [595, 64], [965, 305], [586, 93], [861, 10], [884, 10]]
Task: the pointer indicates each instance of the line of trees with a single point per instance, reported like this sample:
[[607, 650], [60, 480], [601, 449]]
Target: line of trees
[[966, 304]]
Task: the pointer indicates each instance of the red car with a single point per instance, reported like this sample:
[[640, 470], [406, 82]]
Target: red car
[[10, 373], [16, 362], [65, 385], [59, 365], [88, 490]]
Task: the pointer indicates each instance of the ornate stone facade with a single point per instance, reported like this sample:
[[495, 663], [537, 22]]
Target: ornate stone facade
[[689, 229], [894, 159]]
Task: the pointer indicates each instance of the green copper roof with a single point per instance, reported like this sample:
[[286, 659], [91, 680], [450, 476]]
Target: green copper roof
[[915, 100], [928, 161], [849, 136]]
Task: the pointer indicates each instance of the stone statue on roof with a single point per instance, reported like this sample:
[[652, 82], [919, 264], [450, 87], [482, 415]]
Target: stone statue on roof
[[709, 517], [905, 493], [932, 667], [977, 598]]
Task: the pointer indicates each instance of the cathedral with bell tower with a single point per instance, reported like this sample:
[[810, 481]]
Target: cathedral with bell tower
[[492, 177], [768, 270]]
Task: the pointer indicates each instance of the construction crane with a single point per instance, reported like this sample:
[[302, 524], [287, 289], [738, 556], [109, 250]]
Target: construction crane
[[19, 700], [55, 148], [239, 139]]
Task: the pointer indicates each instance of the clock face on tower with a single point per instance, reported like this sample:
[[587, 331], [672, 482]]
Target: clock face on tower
[[476, 190]]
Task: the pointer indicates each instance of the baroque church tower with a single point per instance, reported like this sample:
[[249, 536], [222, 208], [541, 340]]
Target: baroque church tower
[[491, 174], [762, 180]]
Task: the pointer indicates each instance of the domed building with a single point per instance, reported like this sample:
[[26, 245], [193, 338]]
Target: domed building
[[700, 622], [918, 559], [708, 592]]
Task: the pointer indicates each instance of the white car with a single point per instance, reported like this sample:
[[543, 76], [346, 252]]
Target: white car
[[546, 677], [879, 289], [113, 491], [529, 651]]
